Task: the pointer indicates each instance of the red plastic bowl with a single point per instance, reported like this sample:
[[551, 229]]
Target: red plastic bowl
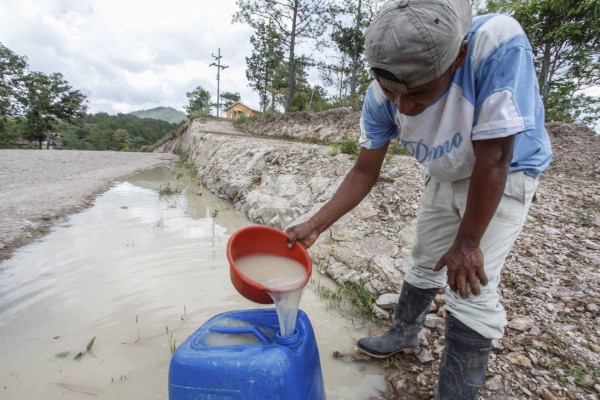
[[253, 240]]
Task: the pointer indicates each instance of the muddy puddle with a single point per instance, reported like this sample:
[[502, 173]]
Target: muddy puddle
[[139, 272]]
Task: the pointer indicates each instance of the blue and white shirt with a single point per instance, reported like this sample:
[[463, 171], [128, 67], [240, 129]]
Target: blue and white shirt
[[494, 94]]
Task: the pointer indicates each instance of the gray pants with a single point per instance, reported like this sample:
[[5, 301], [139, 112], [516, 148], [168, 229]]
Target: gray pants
[[438, 219]]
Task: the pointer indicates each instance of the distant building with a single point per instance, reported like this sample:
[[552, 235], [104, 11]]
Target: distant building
[[239, 109]]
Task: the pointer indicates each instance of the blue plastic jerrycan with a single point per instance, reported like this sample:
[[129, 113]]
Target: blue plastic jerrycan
[[240, 355]]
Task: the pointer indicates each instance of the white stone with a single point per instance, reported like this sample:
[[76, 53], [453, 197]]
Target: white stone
[[551, 231], [433, 321], [388, 300], [521, 324], [494, 384]]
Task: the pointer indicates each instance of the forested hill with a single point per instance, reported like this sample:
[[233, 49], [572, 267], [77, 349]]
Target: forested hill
[[102, 131], [168, 114]]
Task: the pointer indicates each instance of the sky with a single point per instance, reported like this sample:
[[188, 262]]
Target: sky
[[128, 55]]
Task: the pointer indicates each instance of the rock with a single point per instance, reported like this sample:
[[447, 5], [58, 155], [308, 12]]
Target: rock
[[546, 394], [424, 356], [521, 324], [550, 307], [432, 321], [387, 301], [593, 308], [535, 331], [519, 358], [497, 344], [494, 384], [591, 245], [587, 382], [594, 347], [380, 312], [551, 231]]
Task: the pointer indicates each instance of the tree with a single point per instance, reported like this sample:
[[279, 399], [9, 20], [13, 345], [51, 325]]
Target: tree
[[12, 70], [229, 98], [199, 101], [348, 37], [294, 20], [49, 99], [565, 38], [119, 140], [266, 57]]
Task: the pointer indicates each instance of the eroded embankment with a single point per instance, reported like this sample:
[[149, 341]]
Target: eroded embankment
[[279, 183]]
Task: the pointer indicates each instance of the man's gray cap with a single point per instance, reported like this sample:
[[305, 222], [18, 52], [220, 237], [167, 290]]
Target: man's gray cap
[[417, 40]]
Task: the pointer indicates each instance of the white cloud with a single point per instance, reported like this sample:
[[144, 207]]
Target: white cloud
[[131, 54]]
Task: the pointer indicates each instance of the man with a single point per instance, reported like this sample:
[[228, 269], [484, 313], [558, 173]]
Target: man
[[463, 98]]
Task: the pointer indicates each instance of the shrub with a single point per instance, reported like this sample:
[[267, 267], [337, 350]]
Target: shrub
[[348, 146]]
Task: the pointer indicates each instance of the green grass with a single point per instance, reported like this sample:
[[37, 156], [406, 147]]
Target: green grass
[[348, 146], [556, 342], [335, 150], [398, 149], [351, 298]]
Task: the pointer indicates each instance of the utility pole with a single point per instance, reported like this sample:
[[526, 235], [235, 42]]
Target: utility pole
[[219, 68]]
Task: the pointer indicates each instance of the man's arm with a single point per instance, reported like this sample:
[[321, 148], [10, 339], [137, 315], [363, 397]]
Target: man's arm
[[355, 186], [464, 259]]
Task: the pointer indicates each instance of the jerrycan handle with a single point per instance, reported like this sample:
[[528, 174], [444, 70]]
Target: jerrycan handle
[[242, 330]]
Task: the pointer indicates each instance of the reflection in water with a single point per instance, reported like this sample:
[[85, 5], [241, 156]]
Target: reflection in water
[[139, 272]]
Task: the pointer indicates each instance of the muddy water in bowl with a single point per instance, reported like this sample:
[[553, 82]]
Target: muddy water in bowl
[[284, 277]]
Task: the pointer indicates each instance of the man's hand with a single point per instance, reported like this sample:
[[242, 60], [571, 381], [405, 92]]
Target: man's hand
[[305, 233], [465, 265]]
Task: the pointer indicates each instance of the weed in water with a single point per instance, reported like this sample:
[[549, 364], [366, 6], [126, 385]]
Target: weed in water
[[137, 326], [160, 222], [352, 298], [168, 189], [212, 214], [172, 341], [90, 344], [80, 354], [122, 378]]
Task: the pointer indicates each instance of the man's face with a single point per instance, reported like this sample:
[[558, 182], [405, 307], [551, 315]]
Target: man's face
[[414, 101]]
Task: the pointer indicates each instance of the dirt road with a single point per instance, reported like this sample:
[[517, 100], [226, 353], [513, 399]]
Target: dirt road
[[37, 187]]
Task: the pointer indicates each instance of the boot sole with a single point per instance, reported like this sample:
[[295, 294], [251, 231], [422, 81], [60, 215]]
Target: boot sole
[[405, 351]]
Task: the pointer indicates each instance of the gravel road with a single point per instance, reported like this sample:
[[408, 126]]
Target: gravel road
[[37, 187]]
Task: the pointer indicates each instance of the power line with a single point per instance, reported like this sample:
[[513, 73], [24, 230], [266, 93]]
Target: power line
[[219, 68]]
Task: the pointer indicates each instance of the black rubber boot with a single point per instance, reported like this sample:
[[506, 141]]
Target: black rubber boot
[[409, 318], [464, 362]]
